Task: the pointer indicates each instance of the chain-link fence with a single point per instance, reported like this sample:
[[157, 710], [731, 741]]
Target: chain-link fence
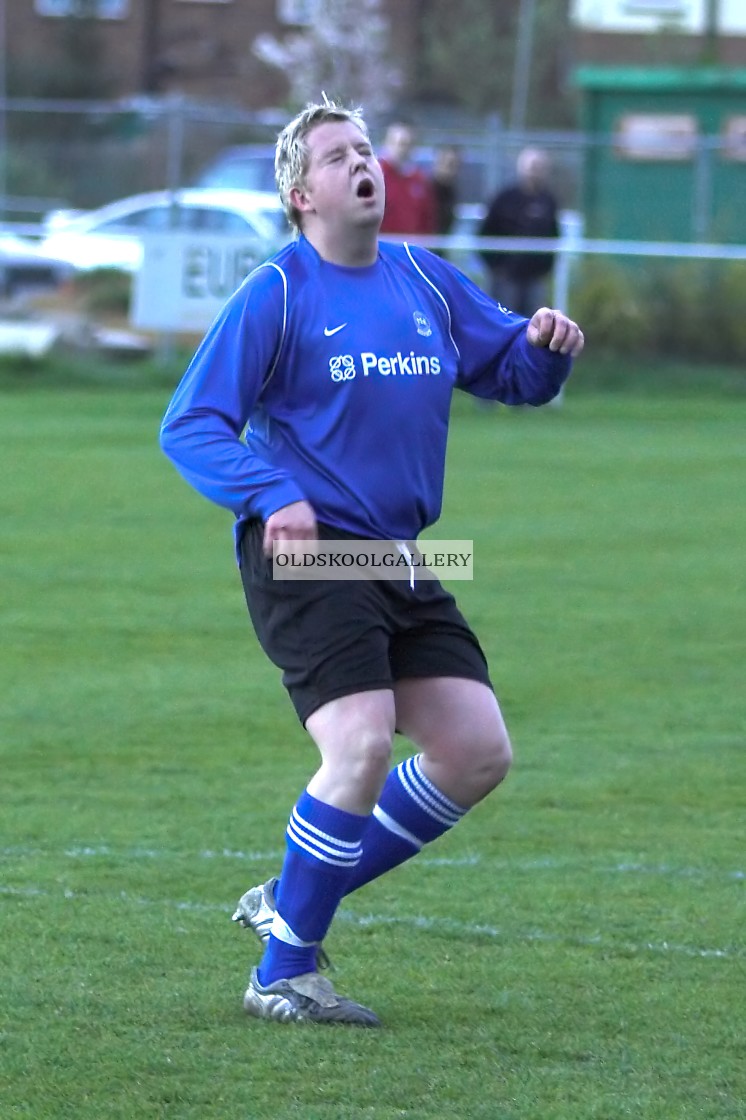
[[83, 154], [657, 241], [80, 155]]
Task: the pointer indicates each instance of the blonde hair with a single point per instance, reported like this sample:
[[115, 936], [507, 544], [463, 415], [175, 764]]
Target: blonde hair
[[291, 152]]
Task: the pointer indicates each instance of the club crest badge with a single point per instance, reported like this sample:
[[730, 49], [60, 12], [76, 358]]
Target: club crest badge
[[423, 324]]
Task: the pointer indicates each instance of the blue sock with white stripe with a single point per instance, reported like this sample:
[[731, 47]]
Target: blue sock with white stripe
[[323, 850], [411, 811]]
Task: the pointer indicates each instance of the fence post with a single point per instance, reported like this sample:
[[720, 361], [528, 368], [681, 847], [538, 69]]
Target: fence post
[[571, 232], [174, 166], [571, 229], [175, 141], [702, 191], [3, 129]]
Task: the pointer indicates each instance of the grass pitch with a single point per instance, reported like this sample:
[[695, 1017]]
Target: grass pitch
[[573, 950]]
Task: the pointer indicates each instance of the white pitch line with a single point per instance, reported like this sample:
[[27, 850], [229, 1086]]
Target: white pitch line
[[274, 859], [445, 926]]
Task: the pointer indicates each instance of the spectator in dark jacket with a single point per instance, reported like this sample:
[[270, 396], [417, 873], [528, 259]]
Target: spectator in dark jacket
[[526, 208], [445, 187]]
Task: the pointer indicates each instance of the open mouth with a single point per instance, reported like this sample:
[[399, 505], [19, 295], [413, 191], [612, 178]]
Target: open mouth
[[365, 188]]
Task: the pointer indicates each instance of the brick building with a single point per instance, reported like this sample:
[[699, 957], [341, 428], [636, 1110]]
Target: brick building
[[201, 48], [659, 32]]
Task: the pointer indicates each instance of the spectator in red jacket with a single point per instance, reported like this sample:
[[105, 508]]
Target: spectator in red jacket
[[410, 201]]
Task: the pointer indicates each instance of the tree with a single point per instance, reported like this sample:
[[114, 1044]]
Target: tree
[[345, 53], [468, 54]]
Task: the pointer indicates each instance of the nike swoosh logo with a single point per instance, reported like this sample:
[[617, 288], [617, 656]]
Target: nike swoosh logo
[[334, 330]]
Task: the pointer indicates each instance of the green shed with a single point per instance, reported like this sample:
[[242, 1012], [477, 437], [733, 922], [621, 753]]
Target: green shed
[[666, 153]]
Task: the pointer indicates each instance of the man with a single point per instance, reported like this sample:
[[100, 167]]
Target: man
[[526, 208], [445, 187], [264, 424], [410, 199]]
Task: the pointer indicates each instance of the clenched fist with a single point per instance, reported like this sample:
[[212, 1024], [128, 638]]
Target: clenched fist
[[553, 329]]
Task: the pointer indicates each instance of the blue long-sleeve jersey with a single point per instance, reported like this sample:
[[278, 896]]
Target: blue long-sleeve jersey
[[334, 385]]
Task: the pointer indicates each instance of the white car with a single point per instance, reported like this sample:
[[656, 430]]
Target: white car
[[24, 266], [112, 236]]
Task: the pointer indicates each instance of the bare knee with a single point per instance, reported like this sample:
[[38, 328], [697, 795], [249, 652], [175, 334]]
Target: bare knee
[[458, 725], [367, 758], [467, 771], [492, 761], [352, 776], [354, 737]]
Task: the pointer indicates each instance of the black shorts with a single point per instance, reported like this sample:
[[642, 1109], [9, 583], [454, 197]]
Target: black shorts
[[333, 638]]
